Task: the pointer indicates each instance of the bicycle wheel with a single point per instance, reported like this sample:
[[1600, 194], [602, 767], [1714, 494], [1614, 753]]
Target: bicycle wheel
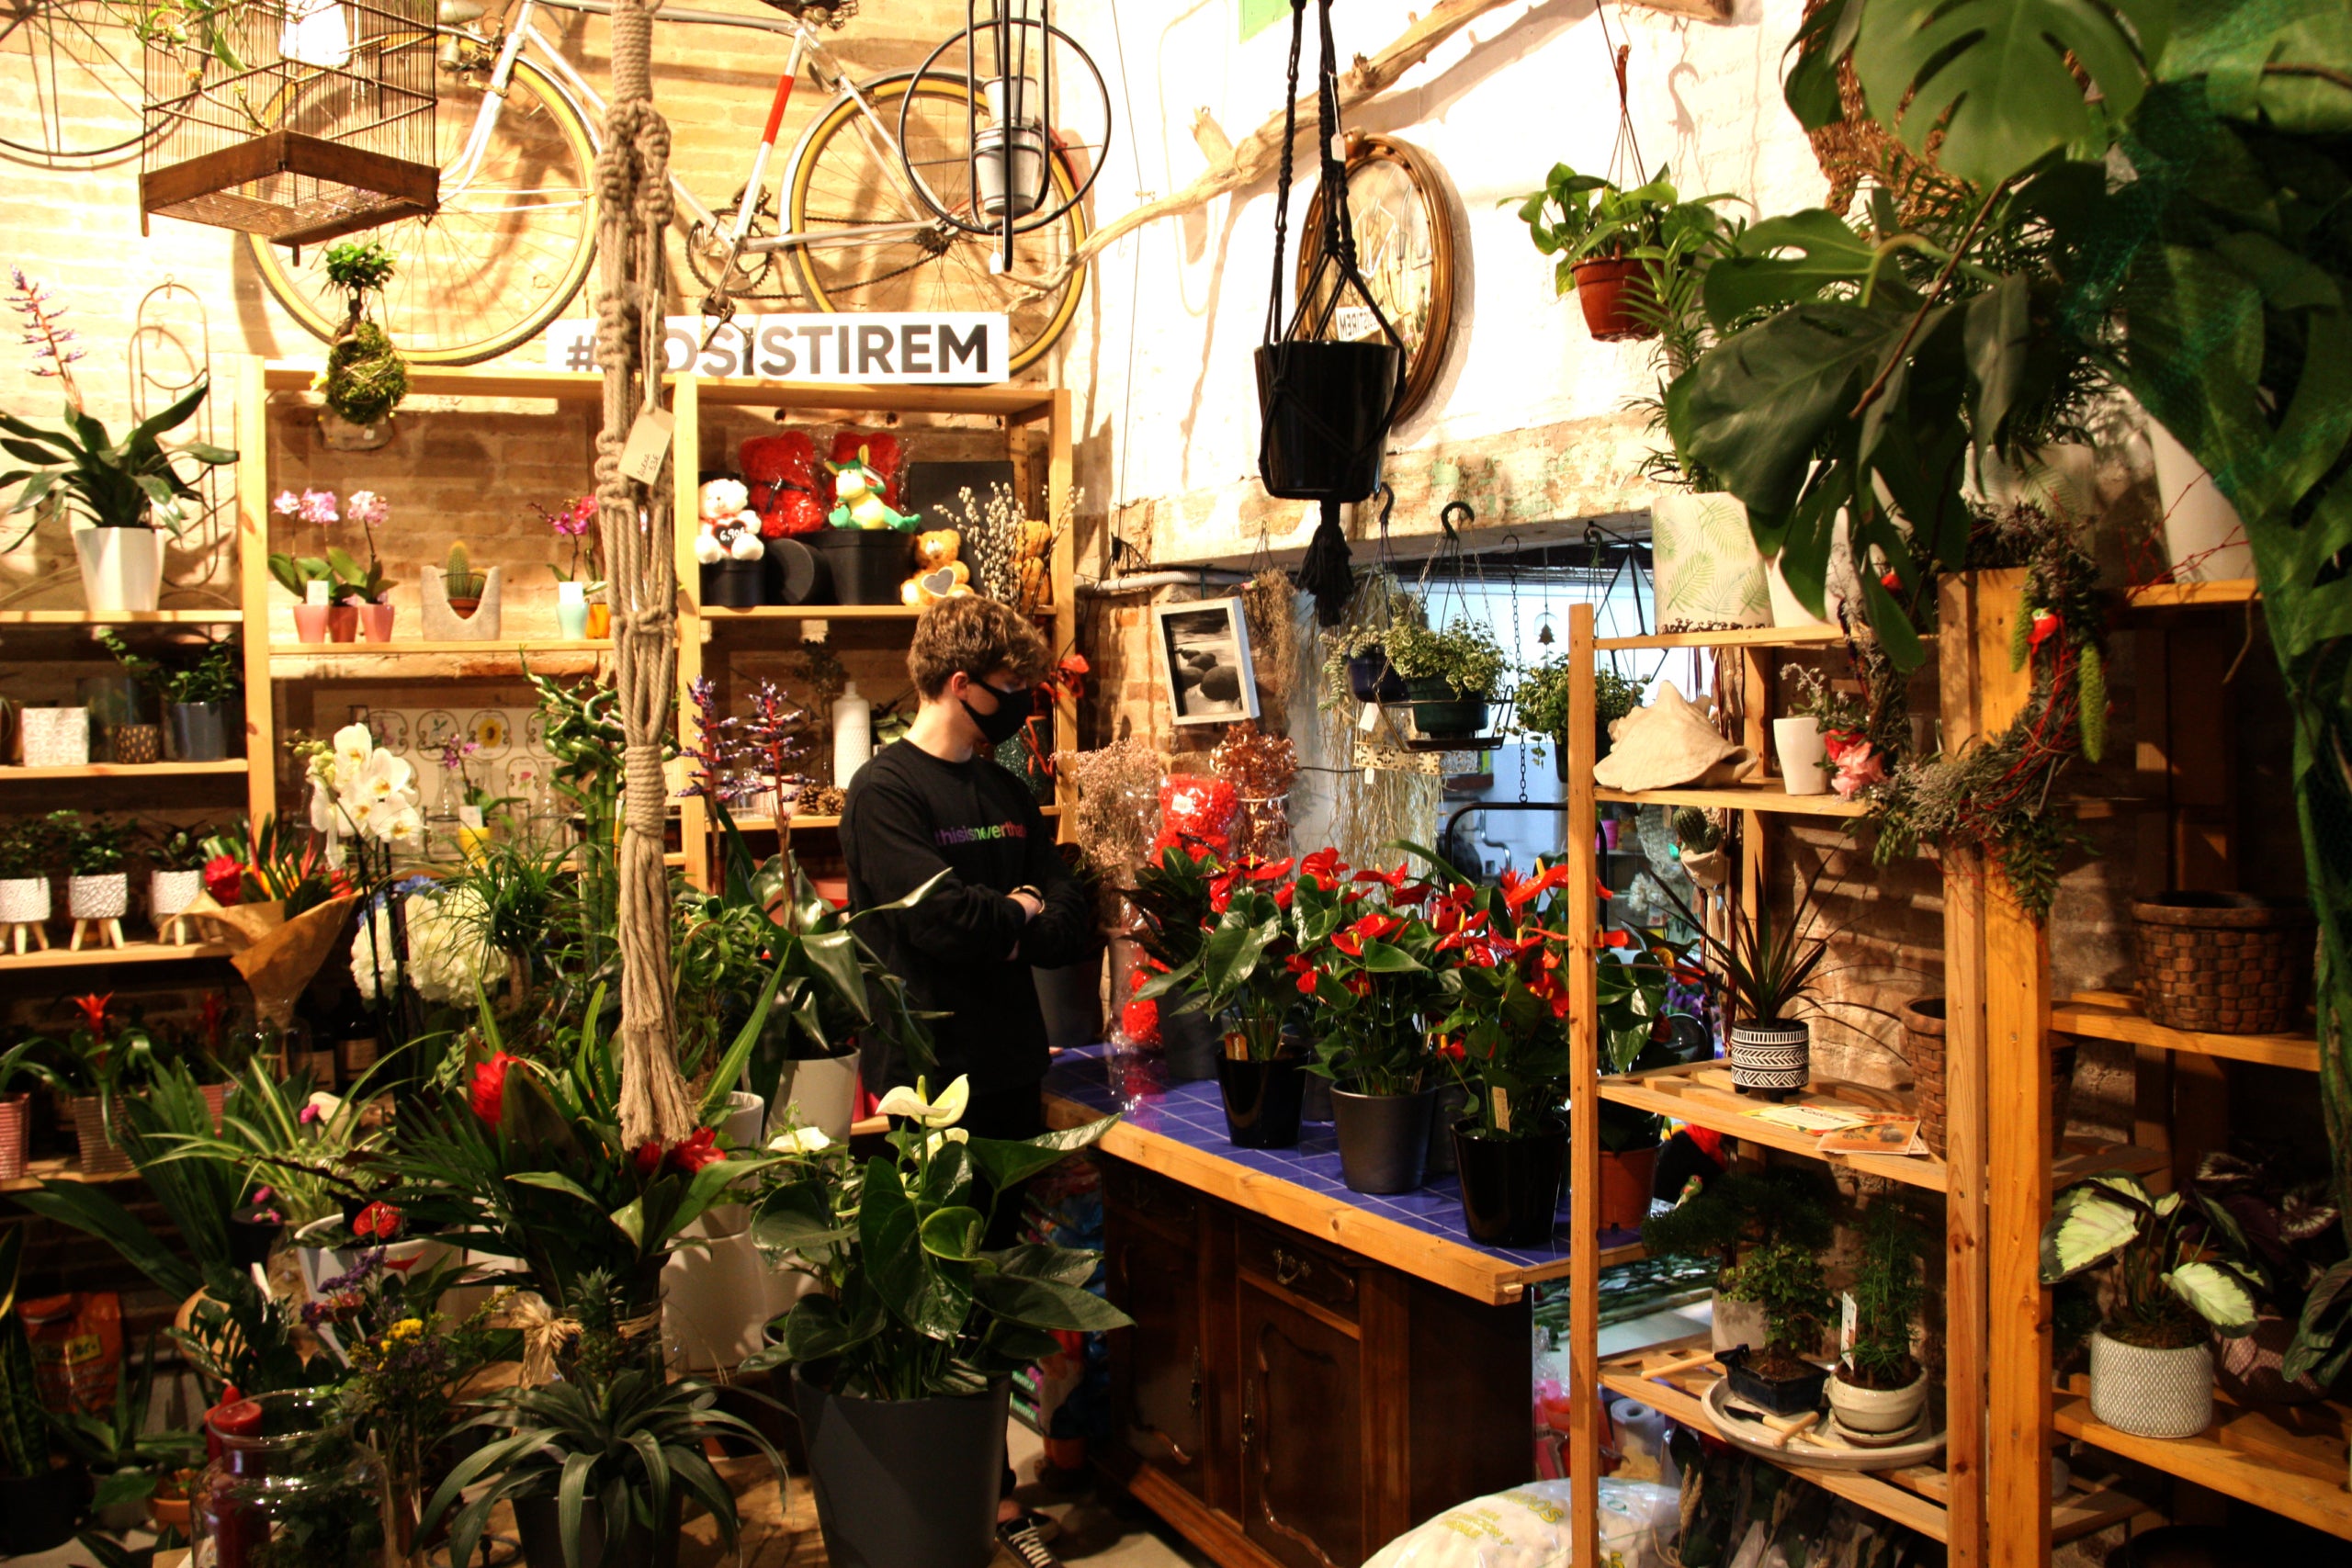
[[71, 90], [509, 248], [846, 174]]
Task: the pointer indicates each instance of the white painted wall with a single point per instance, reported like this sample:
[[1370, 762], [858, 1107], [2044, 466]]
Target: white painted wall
[[1167, 401]]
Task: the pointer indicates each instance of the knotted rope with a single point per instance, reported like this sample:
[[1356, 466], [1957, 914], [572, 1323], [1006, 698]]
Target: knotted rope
[[633, 212]]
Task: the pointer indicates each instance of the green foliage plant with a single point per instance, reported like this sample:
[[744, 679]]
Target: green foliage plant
[[1582, 218], [1888, 1291], [137, 482], [1465, 656], [30, 847], [1787, 1282], [2165, 1292], [1540, 701], [24, 1431], [123, 1457], [365, 378], [207, 674], [178, 849], [94, 847], [1737, 1208]]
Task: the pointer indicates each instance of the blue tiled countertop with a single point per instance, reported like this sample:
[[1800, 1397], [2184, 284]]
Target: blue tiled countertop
[[1179, 1130]]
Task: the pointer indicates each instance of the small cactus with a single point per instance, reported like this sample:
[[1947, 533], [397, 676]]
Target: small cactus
[[459, 579], [1695, 831]]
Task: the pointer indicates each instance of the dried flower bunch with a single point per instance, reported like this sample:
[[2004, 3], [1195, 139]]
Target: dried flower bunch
[[1261, 768], [1007, 550], [1118, 798]]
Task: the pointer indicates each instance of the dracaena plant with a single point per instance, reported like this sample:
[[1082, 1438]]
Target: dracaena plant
[[137, 482], [909, 1303], [2168, 1289]]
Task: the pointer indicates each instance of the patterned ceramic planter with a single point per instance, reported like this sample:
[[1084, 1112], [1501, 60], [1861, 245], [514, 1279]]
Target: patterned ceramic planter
[[169, 892], [101, 1155], [2152, 1393], [1773, 1058], [1704, 568], [138, 743], [24, 900], [102, 897], [57, 737]]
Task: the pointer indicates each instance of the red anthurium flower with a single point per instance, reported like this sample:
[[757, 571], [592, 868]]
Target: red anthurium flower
[[1519, 894], [1377, 927], [379, 1219], [1451, 1049], [488, 1095], [1616, 939], [403, 1265], [1357, 984], [1270, 871], [1416, 893], [697, 1149], [1392, 879], [1892, 581], [1221, 888], [1303, 972], [1350, 942], [93, 1010], [2046, 625], [1283, 893], [224, 879], [1466, 929], [1323, 868]]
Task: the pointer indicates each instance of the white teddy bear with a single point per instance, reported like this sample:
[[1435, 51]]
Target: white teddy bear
[[730, 532]]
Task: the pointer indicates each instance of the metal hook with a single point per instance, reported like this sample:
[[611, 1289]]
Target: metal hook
[[1387, 505], [1445, 517]]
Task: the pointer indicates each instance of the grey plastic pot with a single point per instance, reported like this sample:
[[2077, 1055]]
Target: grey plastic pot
[[905, 1482], [1189, 1039], [199, 732], [1384, 1138], [539, 1524]]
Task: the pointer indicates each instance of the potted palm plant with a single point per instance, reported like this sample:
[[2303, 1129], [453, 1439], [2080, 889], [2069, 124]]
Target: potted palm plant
[[1878, 1388], [1734, 1210], [1608, 240], [1786, 1281], [1451, 676], [1240, 980], [901, 1357], [1377, 990], [2151, 1368]]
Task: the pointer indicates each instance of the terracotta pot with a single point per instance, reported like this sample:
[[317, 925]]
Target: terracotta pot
[[1608, 287], [310, 622], [375, 622], [1626, 1178], [343, 623]]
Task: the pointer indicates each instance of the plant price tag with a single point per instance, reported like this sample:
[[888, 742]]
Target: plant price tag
[[648, 443], [469, 816]]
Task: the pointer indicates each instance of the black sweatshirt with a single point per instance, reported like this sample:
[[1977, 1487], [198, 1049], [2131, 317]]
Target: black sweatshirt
[[966, 949]]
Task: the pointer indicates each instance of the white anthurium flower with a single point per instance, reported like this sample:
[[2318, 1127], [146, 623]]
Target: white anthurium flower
[[945, 1112], [328, 1106], [799, 1140], [938, 1141]]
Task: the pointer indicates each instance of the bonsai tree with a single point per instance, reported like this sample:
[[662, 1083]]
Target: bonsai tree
[[1465, 657], [366, 378], [1738, 1210], [1887, 1291], [2165, 1292], [1786, 1280]]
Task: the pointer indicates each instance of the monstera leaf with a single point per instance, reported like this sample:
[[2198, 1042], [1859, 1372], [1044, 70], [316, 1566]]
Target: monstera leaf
[[1997, 76]]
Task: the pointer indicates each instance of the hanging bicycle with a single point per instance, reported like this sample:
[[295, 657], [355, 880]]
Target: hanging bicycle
[[930, 189], [70, 83]]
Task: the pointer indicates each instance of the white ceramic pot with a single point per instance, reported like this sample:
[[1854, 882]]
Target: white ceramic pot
[[823, 1094], [122, 569], [169, 892], [1705, 570], [1873, 1410], [1771, 1057], [2151, 1393], [24, 900], [2204, 539], [1805, 756], [56, 738], [1736, 1323], [319, 1263], [106, 897]]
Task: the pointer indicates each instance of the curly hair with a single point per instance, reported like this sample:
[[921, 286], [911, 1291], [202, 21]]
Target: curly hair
[[977, 637]]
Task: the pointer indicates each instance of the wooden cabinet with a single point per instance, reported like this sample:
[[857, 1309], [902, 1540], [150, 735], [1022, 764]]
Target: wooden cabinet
[[1288, 1405]]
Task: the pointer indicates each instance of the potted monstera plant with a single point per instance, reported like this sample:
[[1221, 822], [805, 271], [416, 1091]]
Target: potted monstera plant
[[903, 1353]]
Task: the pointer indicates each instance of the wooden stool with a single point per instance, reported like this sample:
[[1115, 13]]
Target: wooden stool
[[106, 932], [12, 935]]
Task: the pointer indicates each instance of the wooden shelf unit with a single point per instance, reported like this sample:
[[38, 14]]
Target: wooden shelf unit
[[64, 957], [128, 771], [832, 824], [1766, 796], [2112, 1015], [1747, 637], [2245, 1454], [122, 617]]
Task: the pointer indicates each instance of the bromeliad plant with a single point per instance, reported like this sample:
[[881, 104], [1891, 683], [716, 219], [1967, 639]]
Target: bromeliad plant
[[909, 1305], [2169, 1290]]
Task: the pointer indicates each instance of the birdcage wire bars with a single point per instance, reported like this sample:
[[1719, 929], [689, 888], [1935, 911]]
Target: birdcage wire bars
[[298, 121]]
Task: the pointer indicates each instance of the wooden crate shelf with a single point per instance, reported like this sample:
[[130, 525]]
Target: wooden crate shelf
[[121, 618], [130, 771], [828, 824], [1767, 796], [2114, 1015], [2244, 1455], [302, 652]]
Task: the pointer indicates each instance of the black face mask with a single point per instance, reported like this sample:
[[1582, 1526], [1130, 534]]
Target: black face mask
[[1012, 713]]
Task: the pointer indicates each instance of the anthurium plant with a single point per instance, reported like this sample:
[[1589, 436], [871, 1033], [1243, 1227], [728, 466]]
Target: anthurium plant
[[2169, 1290], [1242, 973], [910, 1304], [1367, 957]]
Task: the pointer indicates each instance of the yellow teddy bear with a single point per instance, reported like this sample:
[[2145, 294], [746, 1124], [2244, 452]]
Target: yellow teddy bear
[[938, 574]]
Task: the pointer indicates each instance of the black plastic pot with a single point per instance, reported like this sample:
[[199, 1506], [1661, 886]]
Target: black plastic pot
[[199, 731], [1189, 1039], [1452, 1103], [1373, 679], [1263, 1100], [1384, 1138], [797, 574], [1601, 745], [868, 566], [1438, 712], [250, 1236], [1510, 1187], [538, 1522], [1072, 999], [1781, 1396], [37, 1512], [905, 1482], [1326, 408], [734, 584]]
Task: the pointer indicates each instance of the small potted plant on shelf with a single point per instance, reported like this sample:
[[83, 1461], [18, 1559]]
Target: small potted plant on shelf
[[1449, 676], [577, 523], [179, 856], [197, 688], [119, 498], [30, 847], [1540, 708], [364, 592], [1878, 1388], [108, 1058], [96, 887], [2151, 1368], [16, 1105], [1769, 967], [1242, 981], [1786, 1281], [901, 1357], [119, 1454], [1608, 240], [1369, 966], [461, 603], [1734, 1210]]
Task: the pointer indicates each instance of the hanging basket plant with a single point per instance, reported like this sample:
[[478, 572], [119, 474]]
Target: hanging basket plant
[[1326, 406], [366, 378]]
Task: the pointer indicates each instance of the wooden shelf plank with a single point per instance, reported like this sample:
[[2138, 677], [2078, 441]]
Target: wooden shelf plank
[[2192, 595], [1748, 637], [299, 652], [719, 617], [227, 765], [63, 957], [2112, 1015], [39, 1170], [2213, 1459], [1768, 797], [121, 618], [427, 381], [1680, 1093]]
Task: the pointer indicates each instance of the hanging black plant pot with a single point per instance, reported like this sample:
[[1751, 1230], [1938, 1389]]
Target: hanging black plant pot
[[1326, 408], [1373, 679]]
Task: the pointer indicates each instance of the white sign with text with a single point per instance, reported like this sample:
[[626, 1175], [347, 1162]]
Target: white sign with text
[[882, 349]]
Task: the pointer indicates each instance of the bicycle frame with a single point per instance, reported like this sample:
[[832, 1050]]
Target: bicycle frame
[[523, 33]]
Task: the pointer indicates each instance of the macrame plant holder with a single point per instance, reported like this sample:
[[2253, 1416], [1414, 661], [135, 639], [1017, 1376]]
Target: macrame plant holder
[[1326, 406], [632, 217]]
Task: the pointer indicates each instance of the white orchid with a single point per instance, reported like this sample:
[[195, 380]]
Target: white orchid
[[799, 1140], [912, 1104], [354, 744], [371, 950]]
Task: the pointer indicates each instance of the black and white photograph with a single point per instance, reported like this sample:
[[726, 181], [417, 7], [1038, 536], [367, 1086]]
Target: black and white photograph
[[1206, 646]]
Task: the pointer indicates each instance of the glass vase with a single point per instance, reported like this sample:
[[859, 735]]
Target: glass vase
[[289, 1487]]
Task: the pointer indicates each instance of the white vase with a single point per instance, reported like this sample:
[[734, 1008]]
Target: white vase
[[1874, 1410], [122, 569], [1705, 570], [24, 900], [2151, 1393], [1804, 755], [169, 892], [2204, 539], [571, 610], [106, 897], [822, 1094], [56, 738]]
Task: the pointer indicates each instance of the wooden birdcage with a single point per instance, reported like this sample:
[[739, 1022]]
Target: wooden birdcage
[[295, 119]]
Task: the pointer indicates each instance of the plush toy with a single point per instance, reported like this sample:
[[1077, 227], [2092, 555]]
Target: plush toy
[[782, 469], [730, 530], [938, 574], [722, 498], [858, 489], [881, 452]]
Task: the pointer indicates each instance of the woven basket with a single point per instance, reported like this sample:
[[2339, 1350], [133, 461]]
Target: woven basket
[[2224, 962], [1923, 1048]]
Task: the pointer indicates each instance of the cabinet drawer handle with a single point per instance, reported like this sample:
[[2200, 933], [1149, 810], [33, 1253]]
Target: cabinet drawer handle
[[1290, 1269]]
